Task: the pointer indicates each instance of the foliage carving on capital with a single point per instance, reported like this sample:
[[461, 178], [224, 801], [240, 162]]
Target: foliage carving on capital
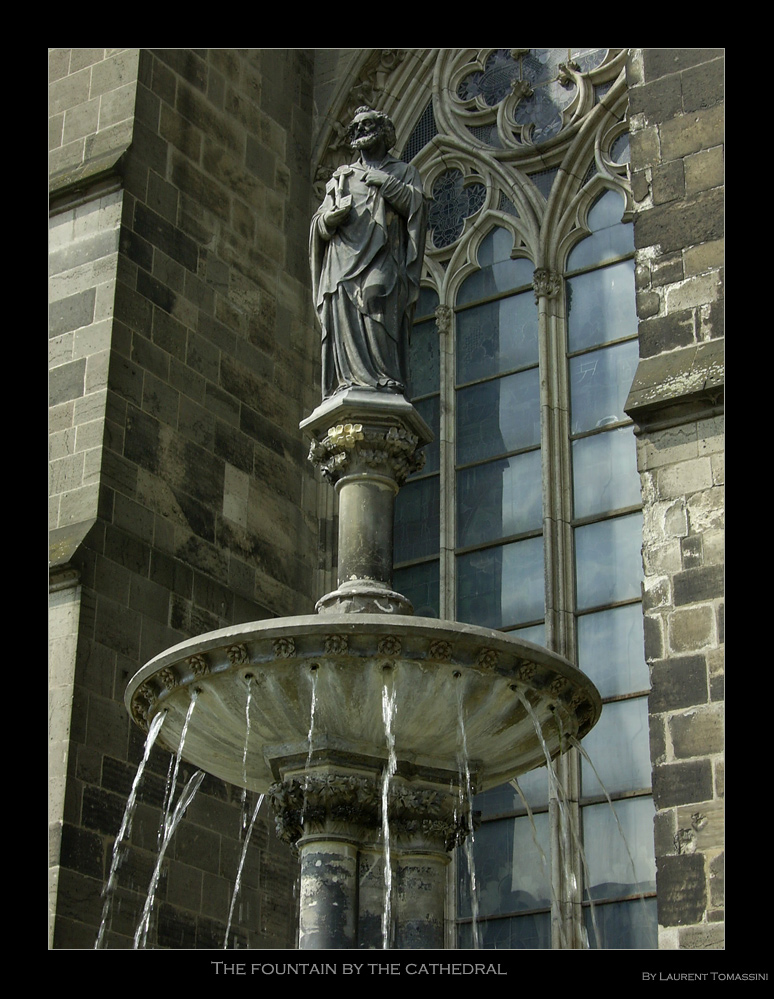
[[315, 801], [546, 283], [394, 452], [443, 317]]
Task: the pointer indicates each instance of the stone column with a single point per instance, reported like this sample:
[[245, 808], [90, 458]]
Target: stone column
[[332, 815], [327, 916], [366, 443]]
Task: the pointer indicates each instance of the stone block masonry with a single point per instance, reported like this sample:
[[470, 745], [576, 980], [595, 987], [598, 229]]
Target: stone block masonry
[[183, 354], [676, 401]]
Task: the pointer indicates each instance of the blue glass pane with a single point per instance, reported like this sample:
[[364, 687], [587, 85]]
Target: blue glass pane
[[535, 633], [498, 499], [420, 583], [623, 925], [417, 519], [425, 359], [588, 59], [496, 247], [601, 306], [611, 650], [599, 384], [496, 336], [430, 411], [453, 201], [498, 416], [608, 561], [618, 843], [532, 932], [427, 303], [512, 866], [506, 798], [498, 279], [610, 238], [501, 586], [493, 83], [619, 151], [541, 111], [604, 472], [618, 749]]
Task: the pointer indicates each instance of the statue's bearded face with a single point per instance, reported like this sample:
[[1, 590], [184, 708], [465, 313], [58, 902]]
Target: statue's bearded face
[[365, 131]]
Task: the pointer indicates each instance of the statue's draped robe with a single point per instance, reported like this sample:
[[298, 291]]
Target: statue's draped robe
[[365, 276]]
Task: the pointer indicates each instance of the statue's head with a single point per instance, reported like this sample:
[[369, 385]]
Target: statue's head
[[367, 126]]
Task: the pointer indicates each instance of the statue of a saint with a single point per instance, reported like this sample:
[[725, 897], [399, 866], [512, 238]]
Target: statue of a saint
[[366, 248]]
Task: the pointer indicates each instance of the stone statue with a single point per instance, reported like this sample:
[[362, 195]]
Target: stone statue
[[366, 248]]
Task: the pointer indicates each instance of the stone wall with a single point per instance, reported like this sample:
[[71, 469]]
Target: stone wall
[[183, 357], [677, 137]]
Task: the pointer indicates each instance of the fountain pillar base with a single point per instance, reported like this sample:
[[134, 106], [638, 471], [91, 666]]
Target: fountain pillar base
[[333, 816]]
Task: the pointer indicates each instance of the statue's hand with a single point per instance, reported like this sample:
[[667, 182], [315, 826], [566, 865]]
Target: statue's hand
[[376, 177], [336, 216]]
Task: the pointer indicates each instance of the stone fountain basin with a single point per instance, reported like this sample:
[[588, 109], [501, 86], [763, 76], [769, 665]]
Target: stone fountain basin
[[440, 671]]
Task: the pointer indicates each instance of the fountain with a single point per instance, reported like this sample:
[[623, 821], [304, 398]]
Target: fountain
[[367, 724]]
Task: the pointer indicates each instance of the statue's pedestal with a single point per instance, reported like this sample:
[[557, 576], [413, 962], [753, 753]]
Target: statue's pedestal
[[366, 443]]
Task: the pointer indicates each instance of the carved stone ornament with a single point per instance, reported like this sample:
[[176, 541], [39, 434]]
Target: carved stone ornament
[[394, 452], [336, 645], [168, 678], [488, 659], [440, 650], [546, 284], [443, 318], [320, 802], [237, 655], [284, 648], [389, 646], [199, 665]]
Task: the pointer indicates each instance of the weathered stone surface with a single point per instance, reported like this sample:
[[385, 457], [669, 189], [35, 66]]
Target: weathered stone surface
[[681, 888]]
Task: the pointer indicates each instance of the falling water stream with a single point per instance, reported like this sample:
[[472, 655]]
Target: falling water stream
[[577, 745], [466, 804], [238, 881], [560, 797], [243, 824], [126, 828], [388, 716], [186, 797], [170, 822]]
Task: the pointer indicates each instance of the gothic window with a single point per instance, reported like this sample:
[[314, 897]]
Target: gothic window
[[527, 515]]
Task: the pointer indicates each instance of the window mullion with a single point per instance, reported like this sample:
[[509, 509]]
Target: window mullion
[[567, 918], [446, 333]]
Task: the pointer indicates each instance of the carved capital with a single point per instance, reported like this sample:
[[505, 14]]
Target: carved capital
[[443, 317], [546, 284], [325, 802], [345, 449]]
